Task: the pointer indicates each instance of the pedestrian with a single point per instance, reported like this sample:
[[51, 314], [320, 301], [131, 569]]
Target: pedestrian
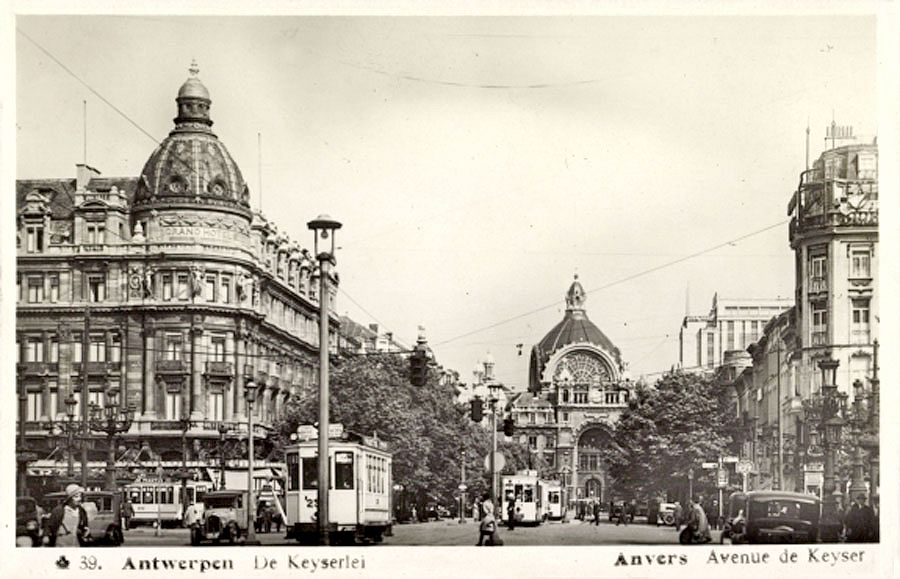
[[596, 507], [276, 518], [476, 510], [861, 525], [628, 515], [127, 514], [191, 516], [67, 525], [698, 522], [678, 514], [268, 512], [511, 512], [487, 529]]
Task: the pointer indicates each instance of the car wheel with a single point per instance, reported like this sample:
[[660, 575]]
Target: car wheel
[[233, 533], [24, 541]]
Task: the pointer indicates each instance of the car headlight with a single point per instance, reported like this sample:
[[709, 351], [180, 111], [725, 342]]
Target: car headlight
[[31, 525]]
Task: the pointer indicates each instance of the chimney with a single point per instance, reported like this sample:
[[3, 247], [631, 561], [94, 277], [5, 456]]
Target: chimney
[[374, 327], [83, 175]]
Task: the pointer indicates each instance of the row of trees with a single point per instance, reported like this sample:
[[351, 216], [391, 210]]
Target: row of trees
[[668, 429], [426, 428]]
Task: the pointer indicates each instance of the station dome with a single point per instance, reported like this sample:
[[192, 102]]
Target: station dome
[[575, 328], [192, 165]]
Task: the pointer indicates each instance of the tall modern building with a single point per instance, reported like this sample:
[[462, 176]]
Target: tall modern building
[[731, 324], [164, 292]]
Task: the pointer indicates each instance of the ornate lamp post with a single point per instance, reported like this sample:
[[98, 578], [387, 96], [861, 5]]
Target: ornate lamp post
[[69, 428], [185, 421], [250, 396], [830, 427], [565, 486], [857, 421], [462, 487], [223, 429], [493, 386], [112, 421], [324, 228]]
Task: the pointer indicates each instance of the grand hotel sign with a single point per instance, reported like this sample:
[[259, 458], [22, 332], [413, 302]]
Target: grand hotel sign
[[188, 227]]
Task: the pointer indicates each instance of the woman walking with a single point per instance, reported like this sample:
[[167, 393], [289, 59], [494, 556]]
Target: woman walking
[[487, 530], [68, 522]]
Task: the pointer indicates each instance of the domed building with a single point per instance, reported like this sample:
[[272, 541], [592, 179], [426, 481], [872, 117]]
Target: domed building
[[578, 387], [165, 293]]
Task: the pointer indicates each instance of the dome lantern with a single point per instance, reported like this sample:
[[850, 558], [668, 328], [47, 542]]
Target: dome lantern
[[193, 102]]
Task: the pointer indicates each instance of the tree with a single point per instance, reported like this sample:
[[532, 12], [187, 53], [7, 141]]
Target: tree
[[667, 430], [425, 428]]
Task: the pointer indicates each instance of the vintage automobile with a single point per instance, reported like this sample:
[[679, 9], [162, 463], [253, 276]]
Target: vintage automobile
[[772, 517], [617, 511], [28, 523], [102, 509], [666, 514], [224, 517]]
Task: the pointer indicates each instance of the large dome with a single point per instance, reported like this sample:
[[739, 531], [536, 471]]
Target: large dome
[[574, 328], [191, 165]]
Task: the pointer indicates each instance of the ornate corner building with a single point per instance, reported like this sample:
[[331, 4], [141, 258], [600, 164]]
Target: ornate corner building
[[577, 390], [169, 289]]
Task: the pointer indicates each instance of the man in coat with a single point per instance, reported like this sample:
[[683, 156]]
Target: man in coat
[[860, 522]]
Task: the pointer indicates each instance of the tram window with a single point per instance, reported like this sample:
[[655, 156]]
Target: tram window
[[529, 495], [148, 496], [191, 496], [134, 495], [310, 472], [293, 468], [343, 470]]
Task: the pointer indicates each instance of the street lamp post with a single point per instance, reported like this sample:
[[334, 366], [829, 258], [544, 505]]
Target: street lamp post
[[70, 403], [492, 386], [565, 487], [223, 428], [185, 426], [857, 421], [112, 421], [830, 428], [250, 396], [323, 228], [462, 487]]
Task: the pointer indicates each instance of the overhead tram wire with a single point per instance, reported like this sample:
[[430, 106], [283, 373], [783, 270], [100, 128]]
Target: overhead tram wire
[[619, 281]]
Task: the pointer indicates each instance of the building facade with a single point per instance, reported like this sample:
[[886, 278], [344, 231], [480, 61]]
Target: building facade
[[834, 235], [168, 289], [578, 388], [731, 324]]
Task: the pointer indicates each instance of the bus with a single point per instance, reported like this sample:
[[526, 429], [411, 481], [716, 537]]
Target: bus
[[524, 488], [359, 497], [160, 500]]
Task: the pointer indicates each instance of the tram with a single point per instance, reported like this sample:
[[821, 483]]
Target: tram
[[359, 497], [160, 500], [524, 488], [551, 497]]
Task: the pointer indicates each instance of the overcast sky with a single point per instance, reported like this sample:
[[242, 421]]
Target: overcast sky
[[478, 163]]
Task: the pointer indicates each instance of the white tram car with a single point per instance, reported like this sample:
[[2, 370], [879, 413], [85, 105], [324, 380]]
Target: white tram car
[[524, 488], [551, 497], [359, 500]]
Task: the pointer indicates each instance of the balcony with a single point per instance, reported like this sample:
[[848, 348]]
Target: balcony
[[36, 368], [860, 336], [96, 368], [219, 368], [818, 285], [171, 367], [818, 337]]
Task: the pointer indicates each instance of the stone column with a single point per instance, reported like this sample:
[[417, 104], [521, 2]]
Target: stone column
[[198, 406], [148, 394]]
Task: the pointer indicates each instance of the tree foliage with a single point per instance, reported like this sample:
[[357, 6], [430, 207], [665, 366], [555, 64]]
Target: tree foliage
[[667, 430], [426, 429]]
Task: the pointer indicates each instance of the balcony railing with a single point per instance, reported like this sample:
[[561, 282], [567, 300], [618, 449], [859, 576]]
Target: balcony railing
[[96, 368], [218, 368], [860, 336], [818, 337], [171, 366], [36, 368], [818, 285]]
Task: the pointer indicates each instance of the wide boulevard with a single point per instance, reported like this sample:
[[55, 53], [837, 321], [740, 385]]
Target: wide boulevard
[[452, 532]]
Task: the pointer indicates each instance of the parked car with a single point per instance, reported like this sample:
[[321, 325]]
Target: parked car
[[102, 509], [617, 511], [772, 517], [28, 523], [224, 517], [666, 514]]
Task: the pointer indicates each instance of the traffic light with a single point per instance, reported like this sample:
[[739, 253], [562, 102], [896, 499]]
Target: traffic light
[[509, 426], [477, 409], [418, 368]]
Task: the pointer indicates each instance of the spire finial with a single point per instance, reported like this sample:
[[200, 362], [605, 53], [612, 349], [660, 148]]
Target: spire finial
[[194, 69]]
